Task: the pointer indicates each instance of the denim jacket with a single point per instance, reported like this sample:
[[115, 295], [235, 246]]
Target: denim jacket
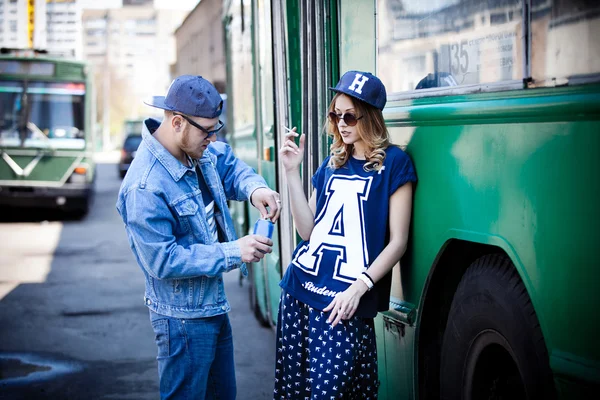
[[164, 215]]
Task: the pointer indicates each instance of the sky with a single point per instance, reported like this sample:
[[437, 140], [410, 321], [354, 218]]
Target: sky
[[172, 4]]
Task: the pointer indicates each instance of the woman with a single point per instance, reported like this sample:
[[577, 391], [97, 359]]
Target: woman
[[354, 230]]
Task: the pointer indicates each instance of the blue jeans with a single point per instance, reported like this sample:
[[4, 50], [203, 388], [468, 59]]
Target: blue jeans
[[195, 357]]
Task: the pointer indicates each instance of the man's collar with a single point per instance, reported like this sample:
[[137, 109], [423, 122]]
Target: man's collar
[[168, 161]]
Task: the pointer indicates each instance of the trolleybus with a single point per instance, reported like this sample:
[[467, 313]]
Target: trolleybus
[[498, 104], [46, 134]]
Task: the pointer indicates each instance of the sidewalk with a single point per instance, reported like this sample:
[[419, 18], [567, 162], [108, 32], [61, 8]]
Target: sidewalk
[[107, 157]]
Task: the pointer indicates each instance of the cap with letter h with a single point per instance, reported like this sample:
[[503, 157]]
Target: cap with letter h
[[363, 86], [190, 95]]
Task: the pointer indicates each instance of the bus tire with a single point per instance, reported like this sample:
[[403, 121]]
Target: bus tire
[[493, 345], [80, 209]]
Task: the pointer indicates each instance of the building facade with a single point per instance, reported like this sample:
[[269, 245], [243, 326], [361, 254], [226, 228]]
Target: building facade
[[131, 49], [52, 25], [63, 28], [23, 24], [138, 3], [201, 44]]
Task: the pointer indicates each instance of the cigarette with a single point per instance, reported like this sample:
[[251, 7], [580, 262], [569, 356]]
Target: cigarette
[[288, 129]]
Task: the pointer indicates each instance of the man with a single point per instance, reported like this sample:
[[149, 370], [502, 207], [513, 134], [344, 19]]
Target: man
[[173, 202]]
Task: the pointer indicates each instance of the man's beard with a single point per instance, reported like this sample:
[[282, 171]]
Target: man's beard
[[185, 142]]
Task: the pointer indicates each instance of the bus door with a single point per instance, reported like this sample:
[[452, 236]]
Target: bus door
[[295, 61], [267, 272]]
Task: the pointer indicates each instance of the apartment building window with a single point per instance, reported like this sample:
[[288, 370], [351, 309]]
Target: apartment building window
[[150, 21], [95, 32]]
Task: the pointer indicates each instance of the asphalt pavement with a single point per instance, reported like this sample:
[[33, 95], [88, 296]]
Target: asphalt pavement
[[72, 320]]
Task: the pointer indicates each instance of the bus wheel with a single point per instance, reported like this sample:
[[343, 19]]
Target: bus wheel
[[79, 209], [493, 346]]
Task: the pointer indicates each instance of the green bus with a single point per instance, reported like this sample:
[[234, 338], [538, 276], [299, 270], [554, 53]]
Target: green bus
[[46, 132], [498, 104]]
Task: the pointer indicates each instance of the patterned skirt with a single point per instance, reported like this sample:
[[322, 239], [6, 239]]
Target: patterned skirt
[[318, 361]]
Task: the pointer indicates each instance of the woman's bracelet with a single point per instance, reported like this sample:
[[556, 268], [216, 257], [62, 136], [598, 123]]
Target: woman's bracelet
[[367, 280], [371, 279]]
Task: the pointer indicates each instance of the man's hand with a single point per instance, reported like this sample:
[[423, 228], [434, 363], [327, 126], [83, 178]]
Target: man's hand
[[254, 247], [264, 197]]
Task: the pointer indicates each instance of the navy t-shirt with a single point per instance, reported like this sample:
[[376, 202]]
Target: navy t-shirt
[[351, 229]]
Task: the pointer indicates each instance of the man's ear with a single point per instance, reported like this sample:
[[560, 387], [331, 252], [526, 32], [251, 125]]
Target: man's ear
[[176, 123]]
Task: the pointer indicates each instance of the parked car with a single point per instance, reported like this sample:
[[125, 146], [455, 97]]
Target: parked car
[[130, 146], [132, 131]]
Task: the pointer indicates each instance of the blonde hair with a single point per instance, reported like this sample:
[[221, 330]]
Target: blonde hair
[[370, 128]]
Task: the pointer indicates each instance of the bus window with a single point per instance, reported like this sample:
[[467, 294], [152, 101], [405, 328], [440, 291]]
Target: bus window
[[51, 115], [10, 107], [564, 39], [427, 44]]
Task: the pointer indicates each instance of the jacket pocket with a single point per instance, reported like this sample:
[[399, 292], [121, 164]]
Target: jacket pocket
[[186, 210]]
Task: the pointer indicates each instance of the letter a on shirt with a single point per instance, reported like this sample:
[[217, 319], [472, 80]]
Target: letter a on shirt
[[340, 229]]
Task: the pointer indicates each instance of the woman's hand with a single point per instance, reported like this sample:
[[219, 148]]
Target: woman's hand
[[344, 304], [290, 153]]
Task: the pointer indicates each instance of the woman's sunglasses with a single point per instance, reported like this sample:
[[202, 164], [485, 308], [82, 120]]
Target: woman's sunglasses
[[349, 119]]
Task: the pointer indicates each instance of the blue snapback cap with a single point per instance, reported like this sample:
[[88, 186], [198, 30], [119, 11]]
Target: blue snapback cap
[[363, 86], [190, 95]]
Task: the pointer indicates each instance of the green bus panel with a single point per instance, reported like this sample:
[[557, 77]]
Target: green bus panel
[[259, 282], [238, 215], [48, 69], [381, 353], [515, 172], [398, 371], [245, 214], [294, 62], [272, 261], [518, 172], [51, 169], [259, 278]]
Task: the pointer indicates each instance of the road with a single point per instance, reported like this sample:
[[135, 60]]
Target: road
[[72, 320]]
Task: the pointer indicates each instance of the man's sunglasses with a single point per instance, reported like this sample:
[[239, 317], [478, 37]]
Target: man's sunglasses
[[203, 129], [349, 119]]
